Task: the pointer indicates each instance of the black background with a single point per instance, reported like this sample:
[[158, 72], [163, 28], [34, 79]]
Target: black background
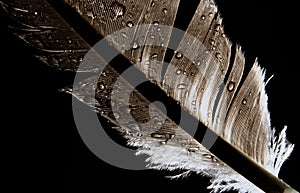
[[55, 153]]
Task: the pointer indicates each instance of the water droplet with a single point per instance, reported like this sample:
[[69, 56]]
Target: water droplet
[[135, 45], [116, 115], [184, 72], [193, 102], [210, 14], [129, 24], [192, 149], [70, 41], [152, 36], [152, 3], [244, 101], [178, 71], [181, 86], [35, 13], [223, 35], [212, 42], [219, 56], [129, 15], [155, 23], [209, 115], [231, 86], [158, 135], [101, 86], [250, 93], [203, 17], [240, 111], [154, 55], [158, 29], [118, 9], [165, 11], [124, 35], [192, 74], [178, 55], [197, 63]]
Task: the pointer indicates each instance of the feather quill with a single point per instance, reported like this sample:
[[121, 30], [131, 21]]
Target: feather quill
[[240, 115]]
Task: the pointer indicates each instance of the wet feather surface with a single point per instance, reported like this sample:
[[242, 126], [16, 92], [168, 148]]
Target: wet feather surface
[[240, 112]]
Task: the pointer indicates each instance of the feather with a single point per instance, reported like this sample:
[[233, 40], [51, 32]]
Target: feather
[[234, 108]]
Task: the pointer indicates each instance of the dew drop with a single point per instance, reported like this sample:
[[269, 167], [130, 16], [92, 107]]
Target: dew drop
[[157, 135], [135, 45], [165, 11], [152, 3], [154, 55], [203, 17], [155, 23], [152, 36], [184, 72], [209, 115], [70, 41], [244, 101], [129, 15], [223, 35], [198, 63], [193, 102], [116, 115], [124, 35], [240, 111], [192, 149], [192, 74], [147, 62], [210, 14], [219, 56], [181, 86], [101, 86], [118, 9], [129, 24], [212, 41], [35, 13], [231, 86], [178, 71], [178, 55]]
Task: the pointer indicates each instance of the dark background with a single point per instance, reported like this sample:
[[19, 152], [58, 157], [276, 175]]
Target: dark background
[[54, 151]]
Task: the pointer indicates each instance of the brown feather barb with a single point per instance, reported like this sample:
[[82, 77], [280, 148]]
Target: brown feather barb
[[200, 77]]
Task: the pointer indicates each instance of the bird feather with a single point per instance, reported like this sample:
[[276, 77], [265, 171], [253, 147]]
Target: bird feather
[[240, 115]]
